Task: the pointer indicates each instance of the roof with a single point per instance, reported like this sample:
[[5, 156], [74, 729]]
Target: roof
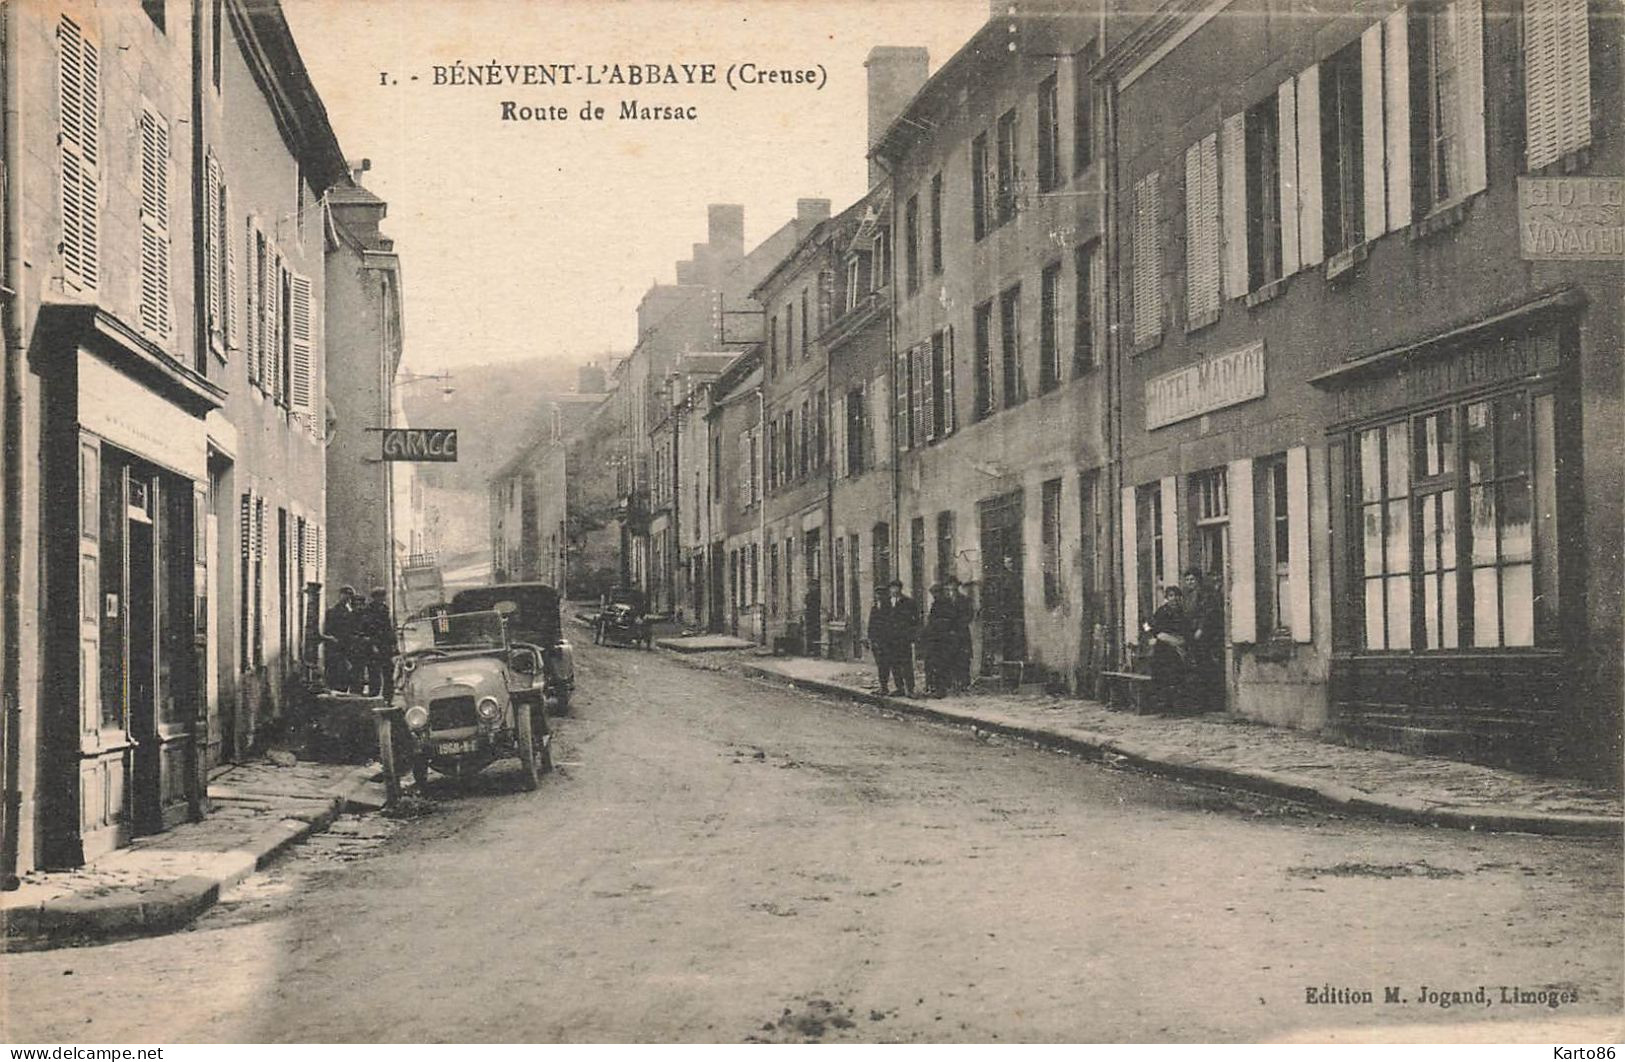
[[274, 59]]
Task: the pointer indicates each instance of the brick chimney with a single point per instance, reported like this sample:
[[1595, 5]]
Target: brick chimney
[[895, 75], [809, 212]]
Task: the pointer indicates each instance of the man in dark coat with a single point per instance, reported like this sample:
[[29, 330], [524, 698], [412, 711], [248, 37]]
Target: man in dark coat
[[1169, 636], [936, 642], [339, 630], [959, 651], [378, 639], [907, 620], [883, 639], [1206, 611]]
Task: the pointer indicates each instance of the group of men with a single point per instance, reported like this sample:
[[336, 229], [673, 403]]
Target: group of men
[[1185, 646], [359, 636], [945, 641]]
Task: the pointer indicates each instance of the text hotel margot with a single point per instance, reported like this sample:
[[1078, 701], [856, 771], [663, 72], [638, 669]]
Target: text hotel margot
[[1325, 305]]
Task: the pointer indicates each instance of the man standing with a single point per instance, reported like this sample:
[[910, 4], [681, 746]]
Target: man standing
[[339, 638], [378, 641], [1206, 612], [882, 639], [936, 643], [959, 648], [906, 616]]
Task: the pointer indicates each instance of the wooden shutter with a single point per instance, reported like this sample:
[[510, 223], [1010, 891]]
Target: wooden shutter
[[230, 306], [826, 298], [212, 252], [253, 296], [1169, 487], [1557, 91], [902, 395], [880, 430], [1287, 136], [925, 388], [837, 431], [155, 287], [1371, 132], [79, 96], [273, 330], [301, 339], [1131, 574], [1468, 16], [1202, 227], [1311, 237], [1243, 562], [1297, 525], [1396, 98], [1147, 292], [949, 424], [744, 472], [1233, 158]]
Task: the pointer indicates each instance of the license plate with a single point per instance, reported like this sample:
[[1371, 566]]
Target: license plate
[[454, 748]]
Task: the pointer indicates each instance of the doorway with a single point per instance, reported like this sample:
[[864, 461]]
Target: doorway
[[1004, 626], [141, 655], [813, 612]]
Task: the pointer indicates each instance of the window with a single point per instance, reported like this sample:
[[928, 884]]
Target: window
[[1049, 328], [880, 255], [1009, 170], [838, 598], [856, 430], [1275, 546], [1210, 501], [936, 224], [1086, 263], [1557, 79], [821, 429], [1082, 111], [773, 340], [983, 340], [79, 136], [978, 186], [1149, 574], [880, 549], [301, 345], [911, 243], [916, 558], [1010, 338], [1342, 154], [1447, 103], [790, 333], [940, 383], [1051, 531], [1263, 162], [1202, 232], [906, 393], [755, 568], [156, 310], [806, 324], [1049, 135], [1147, 248], [805, 439], [773, 577], [945, 545]]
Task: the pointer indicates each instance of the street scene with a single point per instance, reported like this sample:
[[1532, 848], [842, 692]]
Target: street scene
[[943, 521]]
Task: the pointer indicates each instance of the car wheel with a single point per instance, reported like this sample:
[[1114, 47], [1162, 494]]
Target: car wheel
[[525, 738], [544, 737], [561, 700]]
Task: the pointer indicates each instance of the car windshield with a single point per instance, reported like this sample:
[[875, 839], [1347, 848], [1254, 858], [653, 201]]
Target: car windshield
[[463, 630]]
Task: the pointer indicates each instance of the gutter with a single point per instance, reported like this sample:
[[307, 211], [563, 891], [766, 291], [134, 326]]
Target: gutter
[[1116, 590], [10, 462]]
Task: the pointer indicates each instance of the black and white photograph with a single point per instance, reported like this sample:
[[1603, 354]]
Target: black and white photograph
[[844, 522]]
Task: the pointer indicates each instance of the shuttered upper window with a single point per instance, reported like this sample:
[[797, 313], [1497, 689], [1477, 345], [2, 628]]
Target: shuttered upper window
[[79, 96], [1147, 290], [1446, 50], [301, 345], [1202, 231], [1557, 79], [156, 310]]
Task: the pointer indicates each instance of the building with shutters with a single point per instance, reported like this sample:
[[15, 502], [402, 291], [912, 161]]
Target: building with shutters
[[1357, 388], [727, 592], [997, 380]]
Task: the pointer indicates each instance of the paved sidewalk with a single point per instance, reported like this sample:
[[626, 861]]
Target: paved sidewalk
[[162, 882], [704, 643], [1232, 752]]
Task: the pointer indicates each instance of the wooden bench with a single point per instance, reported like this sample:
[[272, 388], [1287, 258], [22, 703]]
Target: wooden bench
[[1127, 688]]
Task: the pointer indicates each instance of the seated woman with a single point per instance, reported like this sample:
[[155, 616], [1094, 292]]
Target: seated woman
[[1169, 633]]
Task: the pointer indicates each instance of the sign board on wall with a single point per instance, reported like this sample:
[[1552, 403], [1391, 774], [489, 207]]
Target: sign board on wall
[[420, 444], [134, 418], [1572, 219], [1223, 380]]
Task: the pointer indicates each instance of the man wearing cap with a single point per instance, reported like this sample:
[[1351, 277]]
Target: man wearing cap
[[959, 642], [377, 628], [906, 617], [339, 636]]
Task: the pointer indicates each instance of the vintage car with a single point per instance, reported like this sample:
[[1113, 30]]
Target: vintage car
[[621, 620], [466, 696], [535, 620]]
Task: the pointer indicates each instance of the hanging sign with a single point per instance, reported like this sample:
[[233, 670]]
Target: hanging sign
[[420, 444]]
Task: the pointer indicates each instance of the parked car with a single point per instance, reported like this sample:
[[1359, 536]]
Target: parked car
[[535, 620], [467, 696], [623, 624]]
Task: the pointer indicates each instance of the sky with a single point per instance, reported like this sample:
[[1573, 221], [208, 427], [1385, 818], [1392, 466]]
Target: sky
[[521, 239]]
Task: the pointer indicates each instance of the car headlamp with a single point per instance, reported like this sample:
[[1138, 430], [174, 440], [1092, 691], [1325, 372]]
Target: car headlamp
[[488, 708], [417, 717]]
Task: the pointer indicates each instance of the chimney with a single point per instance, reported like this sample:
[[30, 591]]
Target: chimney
[[810, 212], [725, 230], [895, 75]]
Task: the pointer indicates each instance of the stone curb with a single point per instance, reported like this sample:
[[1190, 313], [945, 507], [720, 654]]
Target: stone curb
[[1169, 763], [170, 906]]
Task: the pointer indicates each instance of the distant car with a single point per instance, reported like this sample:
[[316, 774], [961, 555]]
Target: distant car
[[621, 623], [533, 620]]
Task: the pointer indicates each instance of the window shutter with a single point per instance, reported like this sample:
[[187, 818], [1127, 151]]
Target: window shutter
[[1371, 131], [837, 431], [925, 385], [155, 293], [79, 95], [1397, 103], [212, 249], [253, 295], [948, 423], [826, 298], [1287, 135], [273, 331], [1311, 238], [881, 427], [230, 306], [902, 395], [1573, 103], [1170, 530], [1297, 521], [1468, 18], [1202, 227], [301, 374], [1131, 574], [744, 472], [1233, 157], [1147, 261], [1243, 562]]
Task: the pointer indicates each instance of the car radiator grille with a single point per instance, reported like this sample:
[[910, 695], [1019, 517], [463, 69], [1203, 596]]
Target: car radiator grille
[[451, 712]]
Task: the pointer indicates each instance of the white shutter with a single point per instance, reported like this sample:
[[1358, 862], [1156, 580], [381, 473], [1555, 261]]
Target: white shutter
[[837, 431], [1297, 531], [1311, 238], [924, 380], [948, 423], [1371, 131], [1131, 575], [79, 96], [1397, 105], [1202, 227], [744, 473], [902, 396], [254, 293], [1574, 72], [1233, 156], [1543, 78], [881, 430], [155, 266], [1287, 136], [1468, 16], [1243, 560], [229, 298], [1147, 260], [1170, 532], [301, 340], [212, 250]]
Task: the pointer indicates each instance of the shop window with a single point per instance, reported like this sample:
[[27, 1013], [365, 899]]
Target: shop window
[[983, 340], [1050, 529], [1263, 164], [1049, 135], [1342, 154], [1049, 329]]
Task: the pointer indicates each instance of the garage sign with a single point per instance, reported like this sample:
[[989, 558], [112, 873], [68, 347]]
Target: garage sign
[[420, 444]]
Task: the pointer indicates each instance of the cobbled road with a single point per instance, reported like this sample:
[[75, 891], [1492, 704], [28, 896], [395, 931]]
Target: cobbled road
[[717, 859]]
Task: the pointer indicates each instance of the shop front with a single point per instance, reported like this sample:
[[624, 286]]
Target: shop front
[[1457, 605], [125, 529]]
